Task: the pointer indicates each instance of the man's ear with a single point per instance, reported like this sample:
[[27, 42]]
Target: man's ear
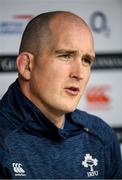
[[24, 64]]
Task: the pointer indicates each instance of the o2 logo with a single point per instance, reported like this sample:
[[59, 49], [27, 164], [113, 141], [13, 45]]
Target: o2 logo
[[99, 23]]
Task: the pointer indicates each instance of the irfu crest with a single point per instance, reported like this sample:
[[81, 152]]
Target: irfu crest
[[90, 162]]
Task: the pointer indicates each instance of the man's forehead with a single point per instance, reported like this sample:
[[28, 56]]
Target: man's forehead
[[66, 31], [73, 42], [65, 19]]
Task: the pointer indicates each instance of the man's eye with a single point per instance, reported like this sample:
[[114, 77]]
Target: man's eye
[[65, 56], [87, 61]]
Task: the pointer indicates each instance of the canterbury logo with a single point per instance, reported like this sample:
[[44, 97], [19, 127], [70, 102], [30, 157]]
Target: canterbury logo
[[19, 171], [98, 94]]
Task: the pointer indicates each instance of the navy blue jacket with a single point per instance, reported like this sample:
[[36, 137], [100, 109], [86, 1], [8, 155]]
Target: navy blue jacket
[[31, 147]]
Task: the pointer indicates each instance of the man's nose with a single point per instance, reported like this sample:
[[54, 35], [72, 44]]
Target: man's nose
[[77, 70]]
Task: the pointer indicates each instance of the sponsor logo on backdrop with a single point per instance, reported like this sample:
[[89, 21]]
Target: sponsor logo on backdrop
[[8, 64], [14, 26], [98, 98], [23, 16], [11, 27], [108, 61], [99, 23]]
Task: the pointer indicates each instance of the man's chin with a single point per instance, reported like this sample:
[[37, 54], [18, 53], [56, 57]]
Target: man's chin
[[70, 110]]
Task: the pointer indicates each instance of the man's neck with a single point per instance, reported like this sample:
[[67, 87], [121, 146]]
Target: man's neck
[[57, 120], [55, 116]]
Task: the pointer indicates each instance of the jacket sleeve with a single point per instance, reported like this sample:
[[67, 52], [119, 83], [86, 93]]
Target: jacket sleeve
[[114, 163], [1, 160], [4, 174], [116, 160]]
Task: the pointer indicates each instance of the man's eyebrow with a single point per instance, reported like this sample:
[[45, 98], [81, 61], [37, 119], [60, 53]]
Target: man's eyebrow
[[65, 51], [92, 57]]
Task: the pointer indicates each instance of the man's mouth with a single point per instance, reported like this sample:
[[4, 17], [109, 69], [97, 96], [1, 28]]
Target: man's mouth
[[73, 91]]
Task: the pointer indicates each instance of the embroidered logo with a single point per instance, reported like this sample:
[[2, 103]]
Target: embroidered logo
[[18, 169], [90, 162]]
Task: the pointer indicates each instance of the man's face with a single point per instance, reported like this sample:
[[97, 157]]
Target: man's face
[[62, 70]]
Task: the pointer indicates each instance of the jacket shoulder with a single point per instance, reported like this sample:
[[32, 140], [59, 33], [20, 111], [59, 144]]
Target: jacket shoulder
[[97, 127]]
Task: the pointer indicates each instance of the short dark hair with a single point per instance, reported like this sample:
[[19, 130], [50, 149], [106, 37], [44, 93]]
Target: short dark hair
[[35, 32]]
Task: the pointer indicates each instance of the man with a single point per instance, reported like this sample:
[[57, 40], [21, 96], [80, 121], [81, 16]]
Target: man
[[42, 134]]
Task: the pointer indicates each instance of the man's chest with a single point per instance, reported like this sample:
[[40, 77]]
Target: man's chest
[[77, 157]]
